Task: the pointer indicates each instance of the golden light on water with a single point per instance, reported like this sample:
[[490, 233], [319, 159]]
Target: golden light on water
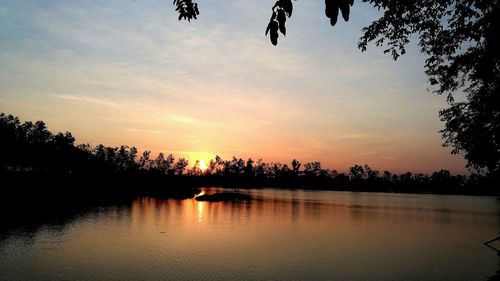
[[200, 211]]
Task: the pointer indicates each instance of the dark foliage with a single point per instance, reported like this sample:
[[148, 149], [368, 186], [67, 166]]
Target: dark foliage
[[332, 8], [187, 9], [460, 39], [281, 10], [30, 155]]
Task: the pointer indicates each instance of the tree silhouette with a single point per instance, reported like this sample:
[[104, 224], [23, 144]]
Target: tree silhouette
[[160, 164], [460, 39], [249, 168], [180, 165], [281, 10], [295, 167], [312, 169], [357, 172], [195, 170], [144, 162], [187, 9], [332, 8], [29, 152]]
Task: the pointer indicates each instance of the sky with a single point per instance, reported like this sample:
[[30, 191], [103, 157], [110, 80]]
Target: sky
[[128, 72]]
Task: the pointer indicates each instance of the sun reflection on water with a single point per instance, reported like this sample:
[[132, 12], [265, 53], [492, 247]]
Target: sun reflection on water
[[200, 211]]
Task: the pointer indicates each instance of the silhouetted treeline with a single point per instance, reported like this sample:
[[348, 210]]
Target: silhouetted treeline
[[30, 153]]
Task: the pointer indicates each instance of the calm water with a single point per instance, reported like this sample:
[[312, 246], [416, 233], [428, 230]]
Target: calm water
[[280, 235]]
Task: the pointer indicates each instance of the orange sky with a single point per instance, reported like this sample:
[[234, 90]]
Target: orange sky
[[130, 73]]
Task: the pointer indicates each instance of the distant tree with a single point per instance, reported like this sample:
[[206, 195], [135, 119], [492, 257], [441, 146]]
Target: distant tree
[[126, 158], [249, 169], [333, 173], [342, 179], [406, 178], [357, 172], [295, 167], [160, 163], [100, 153], [111, 156], [144, 162], [65, 139], [85, 147], [11, 141], [196, 170], [387, 176], [285, 170], [180, 165], [214, 165], [219, 164], [260, 168], [371, 174], [37, 133], [312, 169], [30, 148], [235, 166], [276, 169], [420, 179], [169, 164], [443, 181], [239, 165]]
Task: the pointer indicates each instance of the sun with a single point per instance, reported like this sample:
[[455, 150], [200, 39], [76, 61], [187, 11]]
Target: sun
[[203, 165]]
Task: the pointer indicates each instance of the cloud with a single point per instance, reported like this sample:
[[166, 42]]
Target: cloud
[[182, 119], [87, 99], [124, 69], [144, 131], [353, 136]]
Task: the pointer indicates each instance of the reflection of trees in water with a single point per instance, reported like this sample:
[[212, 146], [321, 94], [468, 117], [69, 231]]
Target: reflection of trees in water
[[31, 227], [24, 220]]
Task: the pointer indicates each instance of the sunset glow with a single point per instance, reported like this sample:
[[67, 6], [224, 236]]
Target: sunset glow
[[203, 165], [216, 86]]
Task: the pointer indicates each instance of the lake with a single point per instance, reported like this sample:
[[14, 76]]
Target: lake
[[278, 235]]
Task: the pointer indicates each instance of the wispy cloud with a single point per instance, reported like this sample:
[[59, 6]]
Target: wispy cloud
[[145, 131], [182, 119], [354, 136], [88, 99], [129, 72]]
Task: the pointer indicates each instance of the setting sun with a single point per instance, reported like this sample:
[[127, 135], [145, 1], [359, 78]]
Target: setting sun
[[203, 165]]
